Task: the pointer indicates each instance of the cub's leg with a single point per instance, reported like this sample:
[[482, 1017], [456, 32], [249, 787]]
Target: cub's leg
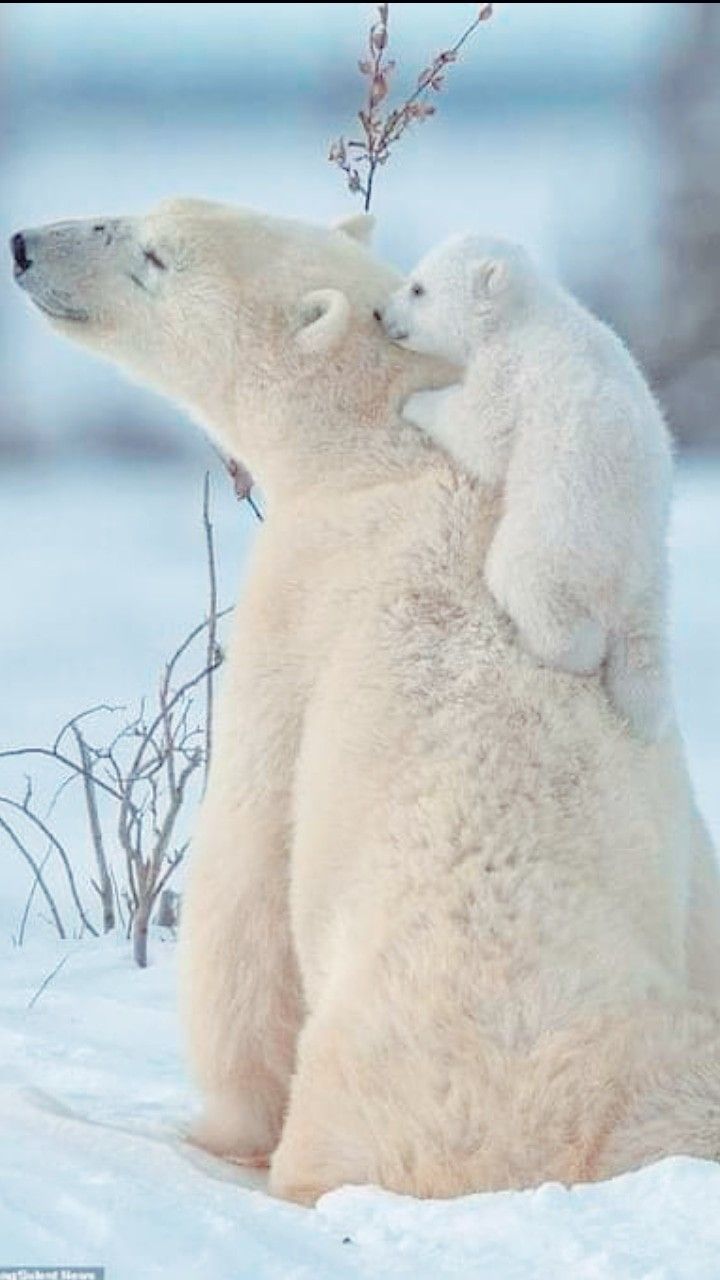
[[636, 676], [527, 586]]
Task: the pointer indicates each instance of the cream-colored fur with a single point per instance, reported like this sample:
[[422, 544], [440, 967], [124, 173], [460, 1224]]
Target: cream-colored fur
[[448, 926], [554, 409]]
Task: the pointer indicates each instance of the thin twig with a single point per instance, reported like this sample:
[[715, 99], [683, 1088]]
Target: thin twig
[[242, 481], [29, 900], [254, 507], [59, 849], [380, 133], [83, 715], [96, 836], [46, 982], [211, 650], [118, 900], [135, 772], [168, 739], [59, 759], [37, 872]]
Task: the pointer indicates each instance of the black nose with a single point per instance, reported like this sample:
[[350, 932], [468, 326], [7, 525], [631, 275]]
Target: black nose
[[19, 252]]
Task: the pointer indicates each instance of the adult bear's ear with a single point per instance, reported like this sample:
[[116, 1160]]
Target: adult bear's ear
[[359, 226], [323, 319], [489, 276]]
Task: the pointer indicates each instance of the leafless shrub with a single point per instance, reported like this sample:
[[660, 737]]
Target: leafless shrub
[[360, 159], [168, 912], [137, 778]]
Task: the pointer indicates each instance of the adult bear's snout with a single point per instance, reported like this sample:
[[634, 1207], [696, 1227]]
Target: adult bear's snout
[[18, 248]]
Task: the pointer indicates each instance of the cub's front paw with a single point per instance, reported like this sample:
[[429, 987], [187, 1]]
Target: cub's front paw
[[424, 409]]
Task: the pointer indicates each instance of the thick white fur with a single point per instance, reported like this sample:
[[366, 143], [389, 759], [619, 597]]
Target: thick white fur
[[554, 408], [449, 926]]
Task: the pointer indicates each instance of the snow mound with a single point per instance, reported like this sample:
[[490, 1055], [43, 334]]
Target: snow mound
[[94, 1169]]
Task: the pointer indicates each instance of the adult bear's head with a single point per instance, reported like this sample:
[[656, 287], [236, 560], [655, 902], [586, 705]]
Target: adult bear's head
[[265, 328]]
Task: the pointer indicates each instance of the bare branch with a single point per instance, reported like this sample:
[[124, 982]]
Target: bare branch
[[172, 867], [173, 701], [145, 769], [211, 651], [105, 885], [84, 715], [59, 849], [167, 755], [360, 160], [29, 900], [46, 982], [118, 901], [59, 758], [37, 873]]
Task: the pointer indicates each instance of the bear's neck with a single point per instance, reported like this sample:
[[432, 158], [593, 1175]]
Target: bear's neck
[[351, 437], [370, 457]]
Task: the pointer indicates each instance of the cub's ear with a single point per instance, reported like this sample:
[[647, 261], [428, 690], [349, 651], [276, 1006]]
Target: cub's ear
[[322, 320], [359, 226], [489, 276]]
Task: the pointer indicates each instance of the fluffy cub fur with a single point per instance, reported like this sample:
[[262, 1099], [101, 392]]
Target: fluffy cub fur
[[554, 408]]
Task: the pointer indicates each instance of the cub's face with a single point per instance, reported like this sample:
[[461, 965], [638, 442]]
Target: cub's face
[[432, 311], [456, 295]]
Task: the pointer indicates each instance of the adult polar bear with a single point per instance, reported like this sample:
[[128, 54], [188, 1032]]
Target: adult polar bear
[[448, 926]]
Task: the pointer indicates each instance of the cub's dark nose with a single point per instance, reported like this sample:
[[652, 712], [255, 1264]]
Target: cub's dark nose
[[19, 253]]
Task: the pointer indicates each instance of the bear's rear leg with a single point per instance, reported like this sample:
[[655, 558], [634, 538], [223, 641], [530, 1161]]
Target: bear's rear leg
[[674, 1111]]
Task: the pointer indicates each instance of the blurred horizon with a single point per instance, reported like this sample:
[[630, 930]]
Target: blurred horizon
[[111, 52], [545, 132]]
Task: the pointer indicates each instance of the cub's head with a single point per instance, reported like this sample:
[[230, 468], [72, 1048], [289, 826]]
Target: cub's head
[[265, 328], [459, 292]]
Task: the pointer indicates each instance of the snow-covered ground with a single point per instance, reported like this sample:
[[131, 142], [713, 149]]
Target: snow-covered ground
[[93, 1094], [93, 1169]]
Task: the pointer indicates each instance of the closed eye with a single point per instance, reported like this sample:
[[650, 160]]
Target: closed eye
[[151, 256]]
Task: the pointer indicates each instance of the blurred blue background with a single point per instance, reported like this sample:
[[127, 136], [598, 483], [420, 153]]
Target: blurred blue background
[[553, 129], [589, 131]]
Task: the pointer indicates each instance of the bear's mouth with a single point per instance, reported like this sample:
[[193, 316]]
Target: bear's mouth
[[74, 314]]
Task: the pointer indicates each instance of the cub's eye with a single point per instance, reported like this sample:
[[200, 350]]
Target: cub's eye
[[151, 256], [417, 290]]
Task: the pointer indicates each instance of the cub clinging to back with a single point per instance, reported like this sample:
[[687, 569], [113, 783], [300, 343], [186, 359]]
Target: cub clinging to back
[[553, 408]]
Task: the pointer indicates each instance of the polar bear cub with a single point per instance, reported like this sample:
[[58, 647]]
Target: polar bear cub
[[553, 408]]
